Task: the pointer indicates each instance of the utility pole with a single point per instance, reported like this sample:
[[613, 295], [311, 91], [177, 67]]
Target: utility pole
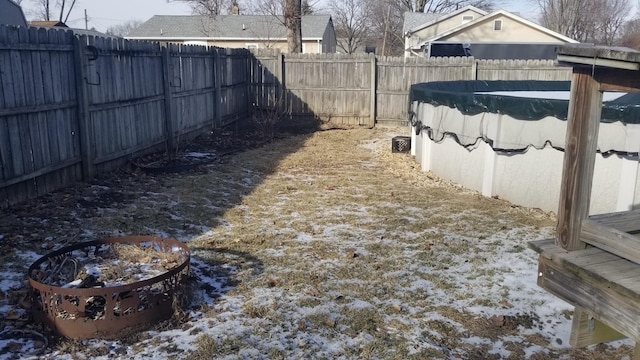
[[86, 20]]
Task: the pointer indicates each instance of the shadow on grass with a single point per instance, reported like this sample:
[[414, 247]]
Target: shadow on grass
[[175, 207], [217, 269]]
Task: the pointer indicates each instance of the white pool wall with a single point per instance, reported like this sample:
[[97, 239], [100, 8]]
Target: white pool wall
[[530, 179]]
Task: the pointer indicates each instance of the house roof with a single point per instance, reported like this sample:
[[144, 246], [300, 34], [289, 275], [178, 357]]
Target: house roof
[[226, 27], [415, 19], [78, 31], [495, 14], [434, 19], [11, 14], [48, 23]]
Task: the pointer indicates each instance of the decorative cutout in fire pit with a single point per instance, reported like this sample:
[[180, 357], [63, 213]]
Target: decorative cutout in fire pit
[[108, 288]]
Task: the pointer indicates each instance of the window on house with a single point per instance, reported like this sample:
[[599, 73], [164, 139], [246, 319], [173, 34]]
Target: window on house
[[467, 18], [251, 46], [497, 25]]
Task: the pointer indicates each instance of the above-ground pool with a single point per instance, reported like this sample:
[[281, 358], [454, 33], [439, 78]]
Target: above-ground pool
[[507, 139]]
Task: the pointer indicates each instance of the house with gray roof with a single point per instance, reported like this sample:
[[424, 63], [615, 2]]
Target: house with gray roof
[[470, 31], [238, 31]]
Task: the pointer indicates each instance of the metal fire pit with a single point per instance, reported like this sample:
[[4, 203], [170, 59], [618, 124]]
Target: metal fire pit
[[111, 311]]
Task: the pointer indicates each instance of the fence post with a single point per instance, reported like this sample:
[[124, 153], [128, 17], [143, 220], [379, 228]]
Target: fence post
[[248, 65], [217, 101], [168, 101], [217, 68], [280, 88], [374, 80], [82, 95]]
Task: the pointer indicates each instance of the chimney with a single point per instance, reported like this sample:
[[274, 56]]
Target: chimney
[[235, 9]]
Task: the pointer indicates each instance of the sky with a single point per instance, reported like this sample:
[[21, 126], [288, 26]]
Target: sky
[[103, 14]]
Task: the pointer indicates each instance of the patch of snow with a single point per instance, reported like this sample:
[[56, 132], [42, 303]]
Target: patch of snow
[[28, 256], [199, 155]]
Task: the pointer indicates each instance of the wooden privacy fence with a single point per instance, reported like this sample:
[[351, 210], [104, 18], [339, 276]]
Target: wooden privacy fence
[[367, 90], [75, 106], [72, 106]]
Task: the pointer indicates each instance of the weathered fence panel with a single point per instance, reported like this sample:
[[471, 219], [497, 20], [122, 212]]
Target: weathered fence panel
[[339, 88], [397, 74], [265, 78], [125, 98], [39, 149], [521, 70], [72, 106], [234, 83], [193, 88], [332, 87]]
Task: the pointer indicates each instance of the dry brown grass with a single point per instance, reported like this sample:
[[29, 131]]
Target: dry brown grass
[[329, 245]]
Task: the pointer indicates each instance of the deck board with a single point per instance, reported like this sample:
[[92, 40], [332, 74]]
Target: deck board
[[616, 304], [609, 270]]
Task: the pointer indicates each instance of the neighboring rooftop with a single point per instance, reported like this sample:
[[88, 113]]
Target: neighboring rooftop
[[226, 26], [415, 19], [11, 14], [48, 23], [62, 26]]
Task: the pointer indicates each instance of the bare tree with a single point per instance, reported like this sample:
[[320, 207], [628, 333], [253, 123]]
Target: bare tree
[[123, 29], [385, 18], [631, 34], [568, 17], [442, 6], [350, 18], [215, 7], [612, 18], [276, 7], [289, 13], [597, 21], [293, 23], [205, 7], [630, 31], [45, 9], [309, 7]]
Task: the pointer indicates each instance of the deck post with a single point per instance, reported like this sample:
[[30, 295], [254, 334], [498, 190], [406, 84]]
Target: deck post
[[585, 106], [583, 122], [586, 330]]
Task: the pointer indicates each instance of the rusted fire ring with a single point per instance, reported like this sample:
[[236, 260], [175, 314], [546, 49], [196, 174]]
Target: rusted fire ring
[[127, 308]]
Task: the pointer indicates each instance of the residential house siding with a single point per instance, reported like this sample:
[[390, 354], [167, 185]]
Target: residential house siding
[[512, 31], [447, 24]]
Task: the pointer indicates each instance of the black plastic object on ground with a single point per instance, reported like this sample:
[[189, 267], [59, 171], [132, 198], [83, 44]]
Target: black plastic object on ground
[[401, 144]]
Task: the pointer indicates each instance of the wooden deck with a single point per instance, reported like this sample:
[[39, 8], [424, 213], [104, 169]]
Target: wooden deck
[[594, 261], [604, 285]]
